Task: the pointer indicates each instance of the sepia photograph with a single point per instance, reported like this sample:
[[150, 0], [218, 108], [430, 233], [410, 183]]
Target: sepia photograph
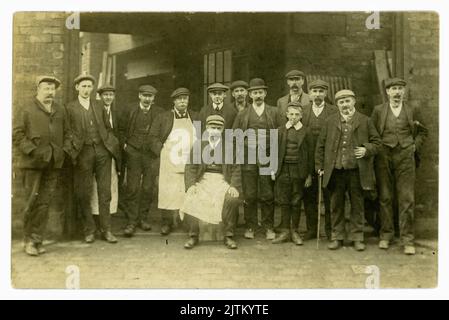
[[225, 150]]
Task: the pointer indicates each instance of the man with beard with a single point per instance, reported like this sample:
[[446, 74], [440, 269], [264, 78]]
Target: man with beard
[[403, 132], [315, 114], [141, 163], [257, 186], [94, 146], [239, 91], [344, 156], [42, 134], [217, 94], [295, 81], [171, 138], [213, 186]]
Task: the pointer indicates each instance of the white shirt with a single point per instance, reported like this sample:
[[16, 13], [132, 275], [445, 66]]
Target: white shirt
[[317, 109], [84, 102], [217, 106], [297, 126], [396, 111], [259, 109], [214, 143]]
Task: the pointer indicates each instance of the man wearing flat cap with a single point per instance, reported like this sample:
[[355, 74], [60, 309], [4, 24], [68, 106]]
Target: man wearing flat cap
[[295, 81], [402, 131], [95, 145], [110, 113], [239, 91], [217, 94], [315, 114], [344, 156], [42, 135], [258, 187], [213, 186], [172, 136], [142, 163]]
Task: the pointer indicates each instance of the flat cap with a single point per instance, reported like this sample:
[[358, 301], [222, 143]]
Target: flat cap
[[318, 83], [48, 79], [82, 77], [239, 83], [180, 92], [295, 104], [394, 82], [146, 88], [344, 94], [295, 74], [215, 119], [217, 87], [257, 83], [106, 87]]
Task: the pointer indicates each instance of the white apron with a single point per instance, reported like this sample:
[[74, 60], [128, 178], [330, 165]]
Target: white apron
[[174, 155], [114, 188], [205, 201]]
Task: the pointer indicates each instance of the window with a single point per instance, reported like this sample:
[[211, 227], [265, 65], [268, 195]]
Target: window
[[217, 68]]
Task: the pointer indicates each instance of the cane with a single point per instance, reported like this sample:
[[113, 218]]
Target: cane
[[320, 177]]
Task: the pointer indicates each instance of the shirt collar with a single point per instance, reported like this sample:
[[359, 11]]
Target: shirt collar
[[84, 102], [398, 107], [179, 114], [214, 143], [320, 106], [217, 105], [297, 126], [262, 106]]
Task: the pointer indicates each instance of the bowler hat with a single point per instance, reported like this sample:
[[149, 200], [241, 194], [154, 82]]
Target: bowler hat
[[180, 92], [82, 77], [257, 83], [48, 79]]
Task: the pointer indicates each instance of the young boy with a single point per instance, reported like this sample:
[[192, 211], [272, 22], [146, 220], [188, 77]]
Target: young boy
[[295, 168]]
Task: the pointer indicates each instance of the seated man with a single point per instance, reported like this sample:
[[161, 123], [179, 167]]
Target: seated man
[[213, 186]]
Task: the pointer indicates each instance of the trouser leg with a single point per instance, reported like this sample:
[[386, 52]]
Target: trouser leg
[[385, 183], [83, 183], [249, 184], [338, 189], [103, 165], [357, 209]]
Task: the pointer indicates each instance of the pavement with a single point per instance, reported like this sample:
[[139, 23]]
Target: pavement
[[149, 260]]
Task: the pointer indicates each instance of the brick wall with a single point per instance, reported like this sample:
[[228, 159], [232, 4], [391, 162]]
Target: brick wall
[[38, 46], [346, 51], [422, 75]]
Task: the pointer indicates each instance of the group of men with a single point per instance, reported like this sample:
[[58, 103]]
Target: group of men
[[134, 155]]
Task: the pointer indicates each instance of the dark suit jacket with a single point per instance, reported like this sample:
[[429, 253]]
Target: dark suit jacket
[[194, 172], [414, 118], [306, 151], [128, 121], [364, 134], [40, 135], [161, 128], [114, 128], [74, 111], [329, 109], [229, 113], [273, 117], [283, 102]]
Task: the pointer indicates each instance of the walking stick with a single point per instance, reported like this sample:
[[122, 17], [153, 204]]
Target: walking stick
[[320, 177]]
